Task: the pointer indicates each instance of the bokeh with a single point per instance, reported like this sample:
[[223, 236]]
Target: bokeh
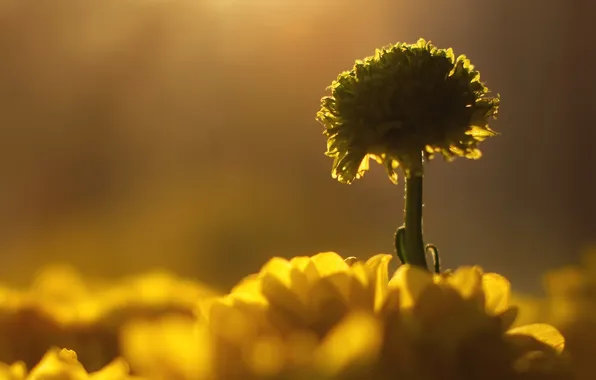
[[180, 134]]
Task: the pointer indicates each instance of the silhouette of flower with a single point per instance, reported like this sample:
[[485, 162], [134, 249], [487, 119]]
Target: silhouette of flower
[[405, 101]]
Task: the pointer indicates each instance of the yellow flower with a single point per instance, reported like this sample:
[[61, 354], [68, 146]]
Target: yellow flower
[[237, 348], [64, 365], [283, 320], [315, 293], [63, 309], [169, 348]]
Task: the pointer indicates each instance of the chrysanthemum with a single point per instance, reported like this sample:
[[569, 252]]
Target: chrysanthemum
[[405, 101], [317, 317], [316, 292], [283, 320]]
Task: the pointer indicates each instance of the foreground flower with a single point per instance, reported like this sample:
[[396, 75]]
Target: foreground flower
[[405, 101], [317, 317], [236, 347]]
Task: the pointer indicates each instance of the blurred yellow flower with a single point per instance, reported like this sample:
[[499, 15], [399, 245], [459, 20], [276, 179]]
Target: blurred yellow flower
[[457, 325], [63, 309], [571, 306], [170, 348], [177, 349], [63, 364]]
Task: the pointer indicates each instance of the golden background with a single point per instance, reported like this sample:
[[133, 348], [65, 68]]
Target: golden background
[[181, 134]]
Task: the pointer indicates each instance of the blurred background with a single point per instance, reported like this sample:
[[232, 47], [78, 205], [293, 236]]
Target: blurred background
[[180, 134]]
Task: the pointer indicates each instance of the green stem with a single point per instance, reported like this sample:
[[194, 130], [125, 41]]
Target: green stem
[[414, 243]]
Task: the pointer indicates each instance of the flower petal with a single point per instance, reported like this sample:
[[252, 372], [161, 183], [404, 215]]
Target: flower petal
[[329, 263], [280, 280], [149, 346], [15, 371], [278, 294], [249, 289], [116, 370], [355, 340], [411, 281], [467, 281], [57, 363], [496, 293], [379, 267], [266, 356], [300, 262], [542, 332], [279, 268]]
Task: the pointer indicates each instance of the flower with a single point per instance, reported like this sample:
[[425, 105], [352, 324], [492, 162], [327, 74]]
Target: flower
[[237, 348], [172, 347], [63, 364], [308, 317], [405, 101], [63, 309], [315, 293], [285, 320]]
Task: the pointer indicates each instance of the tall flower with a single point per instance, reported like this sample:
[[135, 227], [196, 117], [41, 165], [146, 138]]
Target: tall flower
[[403, 101], [406, 103]]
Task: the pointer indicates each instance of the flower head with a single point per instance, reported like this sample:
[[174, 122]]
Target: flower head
[[315, 293], [405, 101], [307, 313]]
